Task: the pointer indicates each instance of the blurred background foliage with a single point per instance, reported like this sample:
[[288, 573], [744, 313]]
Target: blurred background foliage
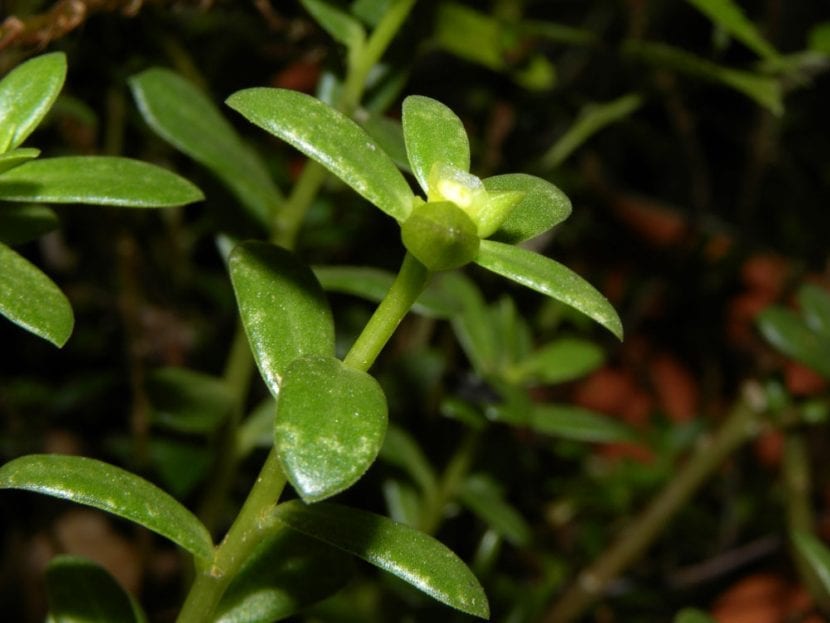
[[688, 137]]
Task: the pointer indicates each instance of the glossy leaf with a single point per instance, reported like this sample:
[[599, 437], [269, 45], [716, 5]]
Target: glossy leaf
[[730, 17], [16, 157], [185, 117], [482, 496], [400, 449], [188, 401], [559, 361], [569, 422], [551, 278], [789, 333], [111, 489], [815, 307], [80, 591], [434, 135], [283, 308], [22, 223], [286, 573], [412, 556], [542, 207], [331, 420], [31, 300], [330, 138], [27, 93], [815, 554], [342, 26], [101, 180]]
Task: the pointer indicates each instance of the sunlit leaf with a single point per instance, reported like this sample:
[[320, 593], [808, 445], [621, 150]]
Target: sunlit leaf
[[31, 300], [412, 556], [101, 180], [331, 420], [729, 16], [25, 222], [551, 278], [330, 138], [111, 489], [483, 497], [283, 308], [542, 207], [789, 333], [570, 422]]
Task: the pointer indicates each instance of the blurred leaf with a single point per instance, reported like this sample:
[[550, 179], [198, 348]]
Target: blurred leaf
[[815, 554], [434, 135], [330, 138], [471, 35], [184, 116], [285, 574], [22, 223], [188, 401], [513, 334], [389, 136], [101, 180], [729, 16], [591, 119], [31, 300], [559, 361], [542, 207], [16, 157], [815, 307], [80, 591], [342, 26], [551, 278], [27, 93], [331, 420], [180, 466], [413, 556], [463, 411], [257, 430], [403, 502], [579, 424], [483, 496], [400, 449], [819, 38], [283, 308], [111, 489], [789, 333], [370, 11], [692, 615]]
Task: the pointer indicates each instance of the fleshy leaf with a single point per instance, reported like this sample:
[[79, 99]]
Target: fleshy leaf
[[433, 135], [482, 496], [30, 299], [181, 114], [27, 93], [440, 235], [111, 489], [542, 207], [16, 157], [330, 138], [286, 573], [283, 308], [80, 591], [578, 424], [412, 556], [559, 361], [815, 554], [815, 307], [551, 278], [789, 333], [331, 420], [342, 26], [101, 180], [25, 222]]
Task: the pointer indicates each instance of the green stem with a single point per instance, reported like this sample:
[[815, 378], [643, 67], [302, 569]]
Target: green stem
[[246, 533], [292, 213], [406, 288], [641, 532]]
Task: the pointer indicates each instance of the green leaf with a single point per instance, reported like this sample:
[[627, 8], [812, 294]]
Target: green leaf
[[692, 615], [257, 430], [80, 591], [551, 278], [180, 466], [331, 420], [400, 449], [818, 39], [31, 300], [111, 489], [388, 133], [181, 114], [471, 35], [283, 308], [577, 424], [789, 333], [434, 135], [815, 554], [559, 361], [542, 207], [483, 497], [286, 573], [342, 26], [102, 180], [188, 401], [405, 505], [27, 93], [16, 157], [22, 223], [330, 138], [412, 556], [729, 16], [440, 235], [815, 307]]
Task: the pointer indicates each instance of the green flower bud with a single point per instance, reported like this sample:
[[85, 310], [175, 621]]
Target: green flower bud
[[440, 235]]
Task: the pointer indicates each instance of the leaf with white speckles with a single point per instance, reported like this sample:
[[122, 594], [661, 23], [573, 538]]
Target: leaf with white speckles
[[283, 308], [112, 489], [413, 556], [544, 275], [331, 420]]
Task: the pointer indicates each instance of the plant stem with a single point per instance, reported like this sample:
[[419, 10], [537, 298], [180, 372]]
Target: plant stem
[[741, 423], [246, 533], [447, 489], [292, 213], [406, 288]]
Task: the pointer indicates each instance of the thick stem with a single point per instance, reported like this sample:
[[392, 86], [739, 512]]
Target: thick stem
[[406, 288], [647, 526]]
